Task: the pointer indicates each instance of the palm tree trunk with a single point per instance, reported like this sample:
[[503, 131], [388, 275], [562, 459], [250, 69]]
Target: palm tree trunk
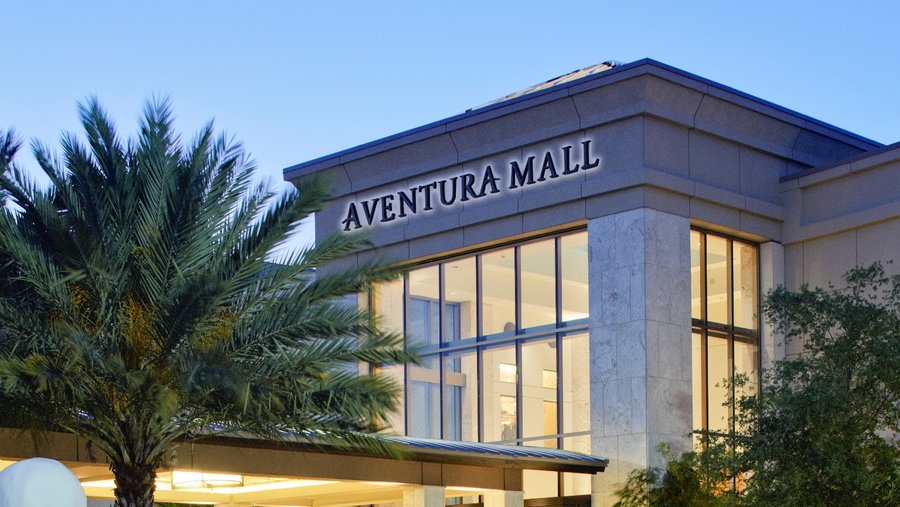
[[135, 485]]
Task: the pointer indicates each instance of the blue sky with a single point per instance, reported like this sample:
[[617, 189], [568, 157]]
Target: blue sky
[[297, 80]]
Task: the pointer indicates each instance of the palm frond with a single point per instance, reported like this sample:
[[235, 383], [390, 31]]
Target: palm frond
[[139, 305]]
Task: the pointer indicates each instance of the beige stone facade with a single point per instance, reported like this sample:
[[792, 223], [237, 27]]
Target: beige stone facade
[[675, 153]]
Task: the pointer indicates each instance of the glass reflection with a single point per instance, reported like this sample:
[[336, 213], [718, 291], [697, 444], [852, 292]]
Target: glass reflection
[[424, 312], [528, 388], [498, 287], [540, 484], [539, 400], [577, 484], [499, 400], [746, 359], [396, 421], [746, 293], [538, 283], [696, 273], [718, 366], [716, 280], [460, 319], [729, 318], [461, 396], [387, 305], [574, 270], [576, 383], [424, 399], [698, 382]]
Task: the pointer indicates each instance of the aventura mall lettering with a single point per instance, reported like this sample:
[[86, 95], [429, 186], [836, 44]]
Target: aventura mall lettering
[[467, 187]]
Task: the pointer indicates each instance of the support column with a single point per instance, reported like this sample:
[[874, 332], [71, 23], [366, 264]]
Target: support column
[[423, 496], [771, 275], [640, 327], [504, 498]]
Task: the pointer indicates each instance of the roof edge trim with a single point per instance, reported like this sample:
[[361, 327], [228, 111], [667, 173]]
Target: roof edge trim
[[297, 170]]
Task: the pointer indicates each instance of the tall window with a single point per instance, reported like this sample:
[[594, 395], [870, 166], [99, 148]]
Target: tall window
[[504, 344], [725, 318]]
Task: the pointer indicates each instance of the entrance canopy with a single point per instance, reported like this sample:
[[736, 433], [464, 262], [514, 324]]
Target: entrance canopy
[[253, 472]]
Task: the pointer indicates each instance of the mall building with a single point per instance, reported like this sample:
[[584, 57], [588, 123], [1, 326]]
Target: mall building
[[588, 256], [587, 259]]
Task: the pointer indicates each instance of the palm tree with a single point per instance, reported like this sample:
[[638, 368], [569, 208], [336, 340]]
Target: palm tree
[[141, 311], [9, 145]]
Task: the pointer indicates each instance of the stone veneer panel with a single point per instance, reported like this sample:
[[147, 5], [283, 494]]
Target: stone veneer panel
[[771, 276], [823, 260], [640, 331]]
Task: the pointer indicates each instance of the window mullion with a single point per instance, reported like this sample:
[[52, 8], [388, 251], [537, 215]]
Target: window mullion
[[406, 366], [519, 390], [517, 263]]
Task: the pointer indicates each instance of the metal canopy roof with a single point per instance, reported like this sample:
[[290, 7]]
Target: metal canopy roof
[[441, 451], [508, 456]]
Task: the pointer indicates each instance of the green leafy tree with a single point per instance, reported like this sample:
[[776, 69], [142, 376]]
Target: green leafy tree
[[139, 310], [825, 430], [696, 479]]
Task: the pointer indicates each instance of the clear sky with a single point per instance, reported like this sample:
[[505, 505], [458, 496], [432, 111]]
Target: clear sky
[[298, 80]]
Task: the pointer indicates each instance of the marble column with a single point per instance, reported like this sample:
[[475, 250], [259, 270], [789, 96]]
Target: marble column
[[771, 275], [423, 496], [504, 499], [640, 328]]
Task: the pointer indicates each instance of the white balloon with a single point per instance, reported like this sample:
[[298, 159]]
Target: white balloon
[[40, 482]]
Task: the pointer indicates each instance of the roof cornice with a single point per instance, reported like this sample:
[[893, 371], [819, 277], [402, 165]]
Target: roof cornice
[[612, 75]]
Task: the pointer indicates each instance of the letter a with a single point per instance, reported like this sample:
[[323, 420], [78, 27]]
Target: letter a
[[352, 217]]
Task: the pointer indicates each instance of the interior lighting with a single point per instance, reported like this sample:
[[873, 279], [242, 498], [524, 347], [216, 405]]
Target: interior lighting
[[205, 480]]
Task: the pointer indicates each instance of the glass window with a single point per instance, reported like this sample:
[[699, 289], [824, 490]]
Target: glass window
[[460, 316], [387, 304], [424, 399], [726, 324], [424, 310], [577, 484], [746, 292], [539, 402], [746, 359], [696, 246], [576, 383], [387, 307], [396, 422], [499, 397], [718, 367], [538, 283], [549, 379], [716, 280], [574, 270], [479, 381], [498, 286], [461, 396], [698, 380], [540, 484]]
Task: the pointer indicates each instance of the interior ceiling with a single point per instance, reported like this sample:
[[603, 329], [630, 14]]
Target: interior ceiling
[[262, 491]]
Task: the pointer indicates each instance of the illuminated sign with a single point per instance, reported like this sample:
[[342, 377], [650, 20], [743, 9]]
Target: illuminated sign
[[436, 194]]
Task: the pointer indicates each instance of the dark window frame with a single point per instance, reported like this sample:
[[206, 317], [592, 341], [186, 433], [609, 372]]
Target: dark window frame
[[556, 331], [727, 331]]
